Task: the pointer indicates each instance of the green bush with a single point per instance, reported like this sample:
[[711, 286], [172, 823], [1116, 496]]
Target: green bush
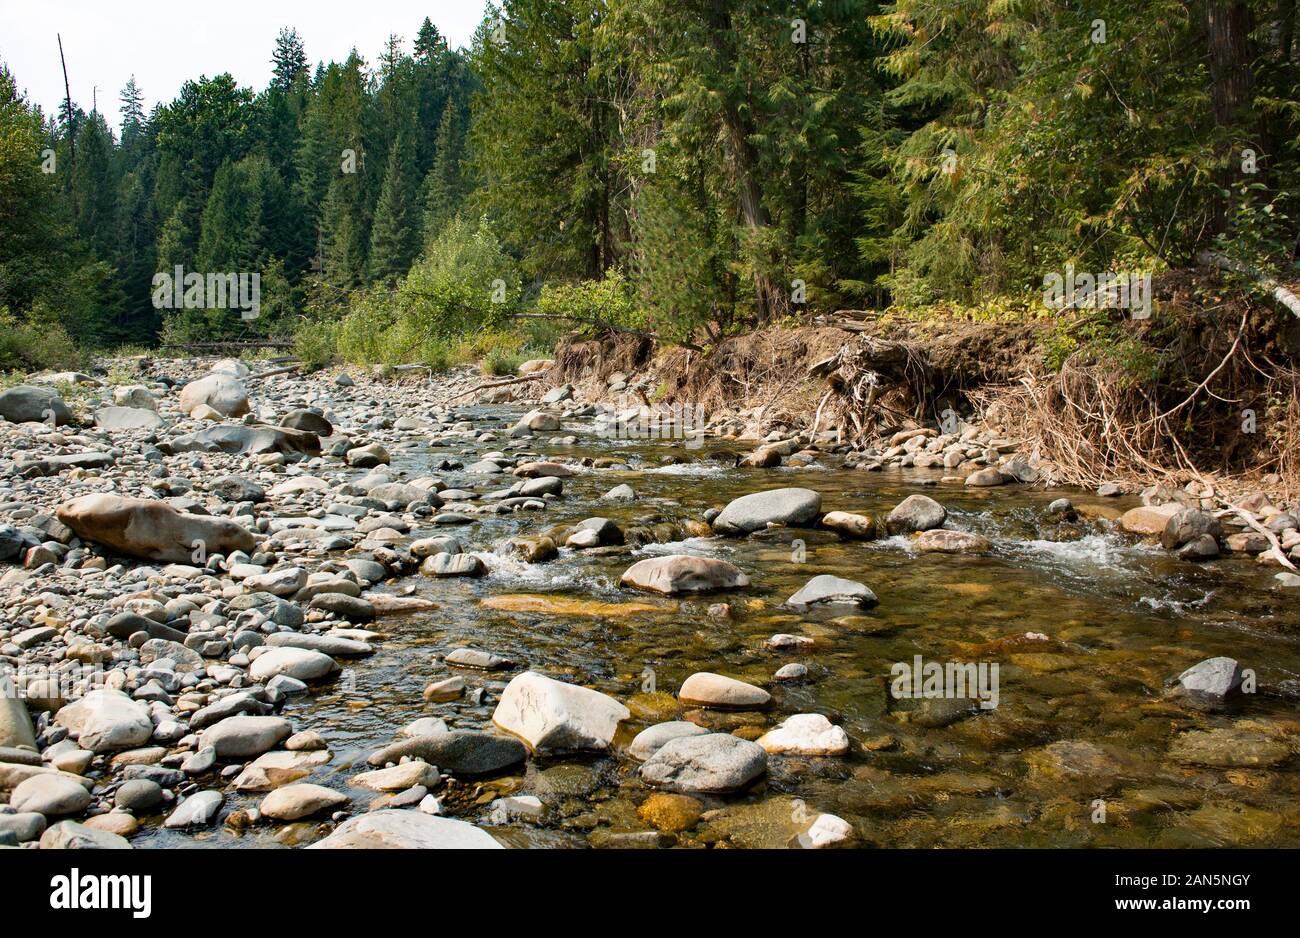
[[39, 342], [465, 285]]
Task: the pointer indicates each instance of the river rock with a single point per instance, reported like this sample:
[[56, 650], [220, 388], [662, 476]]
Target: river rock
[[827, 590], [707, 689], [25, 827], [1229, 747], [398, 777], [1211, 681], [69, 835], [988, 476], [332, 645], [245, 736], [916, 513], [552, 716], [241, 440], [50, 794], [299, 801], [847, 524], [1148, 520], [1187, 525], [449, 565], [462, 752], [806, 734], [788, 506], [221, 391], [128, 418], [826, 830], [406, 830], [107, 720], [15, 723], [715, 763], [944, 541], [149, 529], [682, 573], [26, 403], [301, 663], [272, 769], [139, 796], [197, 810], [651, 739], [309, 420]]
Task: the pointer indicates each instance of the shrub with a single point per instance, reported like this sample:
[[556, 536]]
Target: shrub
[[37, 343]]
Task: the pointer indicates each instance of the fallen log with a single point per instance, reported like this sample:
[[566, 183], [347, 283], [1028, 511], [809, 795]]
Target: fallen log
[[1275, 289], [522, 379]]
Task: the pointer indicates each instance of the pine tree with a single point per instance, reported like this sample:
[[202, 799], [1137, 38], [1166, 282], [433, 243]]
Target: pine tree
[[443, 189], [429, 44], [289, 60], [394, 236]]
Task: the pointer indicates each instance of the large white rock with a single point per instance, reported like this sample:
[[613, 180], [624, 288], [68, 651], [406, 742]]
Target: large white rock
[[707, 689], [789, 506], [50, 794], [806, 734], [301, 663], [683, 573], [298, 801], [409, 830], [106, 720], [221, 391], [552, 716]]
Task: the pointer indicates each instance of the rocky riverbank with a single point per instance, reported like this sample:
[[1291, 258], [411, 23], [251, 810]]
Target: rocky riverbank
[[194, 557]]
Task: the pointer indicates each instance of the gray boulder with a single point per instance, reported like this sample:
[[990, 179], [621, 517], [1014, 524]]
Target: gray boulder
[[788, 506]]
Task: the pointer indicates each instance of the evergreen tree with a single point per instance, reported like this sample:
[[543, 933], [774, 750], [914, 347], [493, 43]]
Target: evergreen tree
[[443, 187], [395, 234], [289, 60]]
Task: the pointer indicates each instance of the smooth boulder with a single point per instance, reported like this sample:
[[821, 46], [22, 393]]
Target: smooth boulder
[[683, 573], [150, 529], [552, 716], [788, 506]]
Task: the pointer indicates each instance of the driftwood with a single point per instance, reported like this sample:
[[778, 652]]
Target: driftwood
[[1277, 290], [1275, 546], [275, 371], [522, 379]]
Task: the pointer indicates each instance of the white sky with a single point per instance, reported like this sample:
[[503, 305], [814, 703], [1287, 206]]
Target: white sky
[[165, 43]]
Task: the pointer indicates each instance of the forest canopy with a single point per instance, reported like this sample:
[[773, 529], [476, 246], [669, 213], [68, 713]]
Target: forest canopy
[[693, 168]]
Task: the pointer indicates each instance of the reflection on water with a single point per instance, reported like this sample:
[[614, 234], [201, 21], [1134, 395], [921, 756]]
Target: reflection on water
[[1082, 729]]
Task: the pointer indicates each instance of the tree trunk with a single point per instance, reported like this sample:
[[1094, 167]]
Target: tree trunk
[[1228, 24], [769, 299]]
